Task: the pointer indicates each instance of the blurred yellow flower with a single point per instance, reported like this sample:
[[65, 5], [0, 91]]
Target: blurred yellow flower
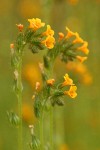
[[78, 68], [72, 91], [64, 147], [68, 81], [28, 114], [49, 42], [87, 79], [35, 23], [32, 74]]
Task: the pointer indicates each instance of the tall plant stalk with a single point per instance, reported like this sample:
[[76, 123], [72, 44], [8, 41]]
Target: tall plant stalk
[[20, 105], [51, 128]]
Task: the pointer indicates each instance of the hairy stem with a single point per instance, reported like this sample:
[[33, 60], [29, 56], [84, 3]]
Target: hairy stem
[[51, 128], [20, 143]]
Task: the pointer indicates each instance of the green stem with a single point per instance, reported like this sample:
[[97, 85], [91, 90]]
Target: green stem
[[20, 145], [41, 132], [51, 128]]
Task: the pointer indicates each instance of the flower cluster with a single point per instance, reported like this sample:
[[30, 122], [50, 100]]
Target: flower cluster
[[72, 91], [39, 37], [69, 47], [53, 92], [73, 44], [47, 36]]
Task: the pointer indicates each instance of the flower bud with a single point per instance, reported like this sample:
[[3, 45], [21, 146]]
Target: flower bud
[[50, 82], [20, 27], [37, 87]]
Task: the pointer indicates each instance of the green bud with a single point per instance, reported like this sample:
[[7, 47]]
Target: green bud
[[35, 144], [13, 118]]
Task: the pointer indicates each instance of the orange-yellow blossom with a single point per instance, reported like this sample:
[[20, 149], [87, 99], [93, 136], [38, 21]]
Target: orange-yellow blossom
[[61, 35], [69, 33], [50, 82], [81, 59], [68, 81], [78, 39], [84, 48], [49, 31], [35, 23], [72, 91], [49, 42]]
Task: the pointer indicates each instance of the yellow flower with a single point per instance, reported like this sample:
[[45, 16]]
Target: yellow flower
[[72, 91], [49, 31], [69, 33], [78, 39], [81, 59], [35, 23], [68, 81], [50, 82], [49, 42], [84, 48]]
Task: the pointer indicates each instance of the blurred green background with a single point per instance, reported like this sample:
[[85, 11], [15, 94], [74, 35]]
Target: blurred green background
[[77, 124]]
